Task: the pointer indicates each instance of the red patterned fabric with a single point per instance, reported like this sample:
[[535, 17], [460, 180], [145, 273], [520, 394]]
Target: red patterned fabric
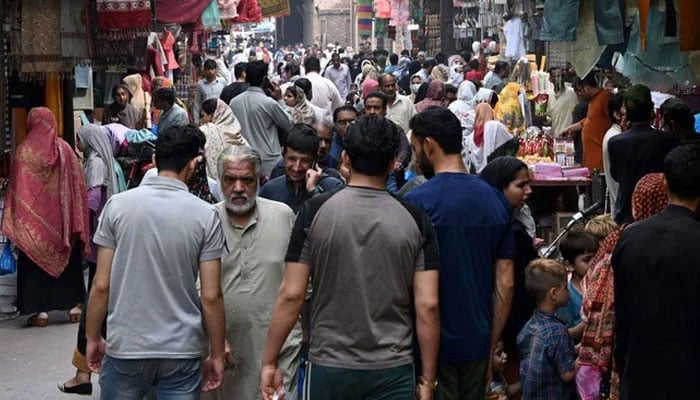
[[123, 14], [46, 211], [248, 11], [180, 11]]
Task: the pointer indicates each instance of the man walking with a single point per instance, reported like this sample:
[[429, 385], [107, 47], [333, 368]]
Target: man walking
[[325, 94], [472, 221], [400, 108], [381, 255], [263, 121], [257, 232], [210, 87], [339, 74], [148, 261]]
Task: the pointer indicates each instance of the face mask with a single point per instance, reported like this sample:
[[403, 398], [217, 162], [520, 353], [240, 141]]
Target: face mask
[[415, 87]]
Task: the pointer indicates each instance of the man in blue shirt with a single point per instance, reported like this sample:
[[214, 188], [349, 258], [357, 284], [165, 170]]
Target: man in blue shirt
[[302, 178], [472, 222]]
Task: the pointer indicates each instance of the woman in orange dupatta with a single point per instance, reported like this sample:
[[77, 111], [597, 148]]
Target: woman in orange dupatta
[[46, 216]]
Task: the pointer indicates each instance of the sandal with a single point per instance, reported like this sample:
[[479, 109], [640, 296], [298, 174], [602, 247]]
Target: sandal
[[82, 388], [35, 320], [74, 316]]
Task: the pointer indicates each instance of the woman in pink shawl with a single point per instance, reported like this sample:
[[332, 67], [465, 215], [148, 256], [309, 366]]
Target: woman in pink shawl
[[46, 217], [436, 97], [488, 136]]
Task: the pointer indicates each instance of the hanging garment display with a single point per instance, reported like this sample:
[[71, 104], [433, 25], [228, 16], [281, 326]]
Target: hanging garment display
[[40, 45], [515, 42], [211, 19], [228, 9], [382, 9], [74, 37], [364, 18], [180, 11], [561, 20], [123, 14]]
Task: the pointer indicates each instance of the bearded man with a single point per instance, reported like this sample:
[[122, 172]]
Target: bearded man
[[562, 101], [256, 231]]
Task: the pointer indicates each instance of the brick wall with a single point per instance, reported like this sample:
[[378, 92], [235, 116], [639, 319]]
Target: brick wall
[[333, 26]]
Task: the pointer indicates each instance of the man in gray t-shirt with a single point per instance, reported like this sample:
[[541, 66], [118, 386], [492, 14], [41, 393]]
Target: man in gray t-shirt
[[371, 259], [154, 241]]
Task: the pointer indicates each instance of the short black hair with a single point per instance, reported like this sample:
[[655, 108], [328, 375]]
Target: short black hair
[[292, 69], [372, 143], [638, 104], [678, 111], [577, 242], [166, 94], [255, 73], [305, 85], [178, 145], [378, 95], [393, 58], [312, 64], [302, 138], [500, 66], [209, 106], [450, 88], [474, 64], [440, 58], [440, 124], [588, 80], [501, 171], [210, 64], [615, 105], [682, 171], [239, 69], [341, 109]]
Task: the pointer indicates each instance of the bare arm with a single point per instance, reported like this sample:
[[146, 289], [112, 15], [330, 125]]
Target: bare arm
[[425, 289], [576, 332], [568, 376], [213, 305], [502, 298], [290, 300], [99, 295]]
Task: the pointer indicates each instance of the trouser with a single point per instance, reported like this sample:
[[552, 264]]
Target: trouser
[[461, 380], [172, 379], [79, 360], [324, 383], [561, 20]]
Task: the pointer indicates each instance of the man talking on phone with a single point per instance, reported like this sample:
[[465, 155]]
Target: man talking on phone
[[302, 178]]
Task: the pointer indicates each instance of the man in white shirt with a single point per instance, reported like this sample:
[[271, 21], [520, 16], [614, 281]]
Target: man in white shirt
[[400, 108], [325, 94], [339, 74], [208, 88], [561, 103]]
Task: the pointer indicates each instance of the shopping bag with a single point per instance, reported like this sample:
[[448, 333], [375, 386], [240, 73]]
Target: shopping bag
[[588, 382], [7, 261]]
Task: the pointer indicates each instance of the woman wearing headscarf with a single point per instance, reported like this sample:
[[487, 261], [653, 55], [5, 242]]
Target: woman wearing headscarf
[[46, 217], [440, 73], [422, 92], [488, 96], [456, 66], [140, 99], [598, 373], [407, 79], [435, 97], [508, 109], [120, 111], [415, 84], [368, 85], [511, 177], [104, 178], [463, 107], [221, 129], [297, 106], [488, 136]]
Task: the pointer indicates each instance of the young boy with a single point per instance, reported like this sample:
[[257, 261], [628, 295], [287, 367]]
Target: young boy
[[545, 347], [577, 249]]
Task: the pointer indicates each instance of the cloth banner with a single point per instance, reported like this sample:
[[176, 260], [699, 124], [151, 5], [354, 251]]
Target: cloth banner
[[123, 14], [364, 18], [275, 8], [40, 45]]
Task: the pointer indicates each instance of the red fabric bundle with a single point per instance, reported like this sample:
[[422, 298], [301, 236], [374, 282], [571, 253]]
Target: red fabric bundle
[[248, 11], [180, 11]]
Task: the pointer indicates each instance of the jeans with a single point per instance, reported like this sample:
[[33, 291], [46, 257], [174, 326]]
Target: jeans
[[177, 379], [348, 384]]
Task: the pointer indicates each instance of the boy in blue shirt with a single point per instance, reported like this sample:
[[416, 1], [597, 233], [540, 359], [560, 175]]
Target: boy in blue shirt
[[545, 347], [577, 249]]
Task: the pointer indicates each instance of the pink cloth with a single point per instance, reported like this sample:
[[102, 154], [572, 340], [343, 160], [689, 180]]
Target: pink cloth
[[46, 210], [367, 86], [180, 12], [168, 42]]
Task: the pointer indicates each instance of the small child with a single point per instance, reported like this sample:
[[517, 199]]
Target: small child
[[499, 389], [577, 249], [601, 226], [545, 347]]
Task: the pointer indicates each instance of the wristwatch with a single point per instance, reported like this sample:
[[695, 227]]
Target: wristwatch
[[432, 385], [316, 190]]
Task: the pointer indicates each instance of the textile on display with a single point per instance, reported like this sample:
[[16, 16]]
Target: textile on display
[[364, 18], [228, 9], [562, 21], [123, 14], [248, 11], [211, 19], [74, 37], [690, 28], [274, 8], [40, 45], [180, 11]]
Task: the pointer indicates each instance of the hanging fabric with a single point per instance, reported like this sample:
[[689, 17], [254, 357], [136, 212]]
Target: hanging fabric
[[40, 43], [228, 9], [180, 12], [123, 14], [211, 19], [690, 28]]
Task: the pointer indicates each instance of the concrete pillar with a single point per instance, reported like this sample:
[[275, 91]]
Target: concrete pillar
[[309, 21]]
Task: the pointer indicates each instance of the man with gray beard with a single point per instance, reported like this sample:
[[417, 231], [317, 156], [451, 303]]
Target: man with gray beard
[[257, 231]]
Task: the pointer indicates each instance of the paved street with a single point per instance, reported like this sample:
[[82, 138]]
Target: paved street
[[33, 360]]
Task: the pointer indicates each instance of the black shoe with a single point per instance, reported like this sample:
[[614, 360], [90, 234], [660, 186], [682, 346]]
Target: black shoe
[[83, 388]]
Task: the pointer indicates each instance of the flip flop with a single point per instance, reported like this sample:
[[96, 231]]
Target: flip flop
[[83, 388]]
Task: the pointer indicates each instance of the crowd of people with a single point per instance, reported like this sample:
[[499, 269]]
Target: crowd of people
[[330, 225]]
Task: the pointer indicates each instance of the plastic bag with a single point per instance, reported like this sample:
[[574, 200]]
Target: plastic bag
[[588, 382], [7, 261]]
